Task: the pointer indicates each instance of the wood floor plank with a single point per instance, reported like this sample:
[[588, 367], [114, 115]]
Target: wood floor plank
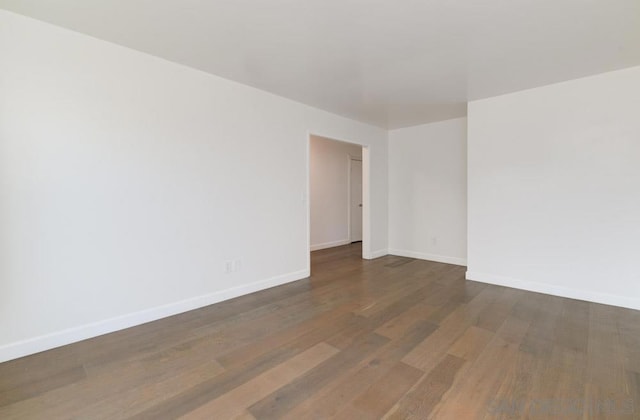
[[608, 388], [630, 406], [311, 331], [244, 416], [198, 393], [234, 403], [512, 399], [605, 355], [284, 399], [423, 399], [427, 354], [327, 402], [473, 394], [420, 401], [492, 316], [398, 326], [30, 385], [557, 386], [471, 343], [383, 394], [572, 329], [413, 280], [108, 398]]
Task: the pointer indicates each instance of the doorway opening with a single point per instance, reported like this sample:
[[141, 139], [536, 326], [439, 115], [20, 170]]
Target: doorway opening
[[338, 197]]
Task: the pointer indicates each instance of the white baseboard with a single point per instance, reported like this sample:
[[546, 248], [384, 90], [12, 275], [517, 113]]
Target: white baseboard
[[550, 289], [83, 332], [428, 257], [325, 245]]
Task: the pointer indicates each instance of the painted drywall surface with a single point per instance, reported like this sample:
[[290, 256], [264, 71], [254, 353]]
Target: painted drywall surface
[[127, 182], [329, 191], [428, 191], [554, 189]]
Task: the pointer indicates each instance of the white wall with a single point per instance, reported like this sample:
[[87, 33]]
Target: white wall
[[329, 191], [428, 191], [554, 189], [127, 181]]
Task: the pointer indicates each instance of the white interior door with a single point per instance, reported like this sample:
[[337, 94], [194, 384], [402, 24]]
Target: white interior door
[[356, 200]]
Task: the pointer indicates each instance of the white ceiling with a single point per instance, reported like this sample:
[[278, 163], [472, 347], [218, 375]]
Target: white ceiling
[[392, 63]]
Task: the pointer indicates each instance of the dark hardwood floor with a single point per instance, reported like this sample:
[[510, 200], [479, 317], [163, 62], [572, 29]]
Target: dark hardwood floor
[[389, 338]]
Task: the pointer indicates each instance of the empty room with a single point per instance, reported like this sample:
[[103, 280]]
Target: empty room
[[320, 209]]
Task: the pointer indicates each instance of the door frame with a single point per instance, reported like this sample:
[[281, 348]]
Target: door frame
[[366, 194]]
